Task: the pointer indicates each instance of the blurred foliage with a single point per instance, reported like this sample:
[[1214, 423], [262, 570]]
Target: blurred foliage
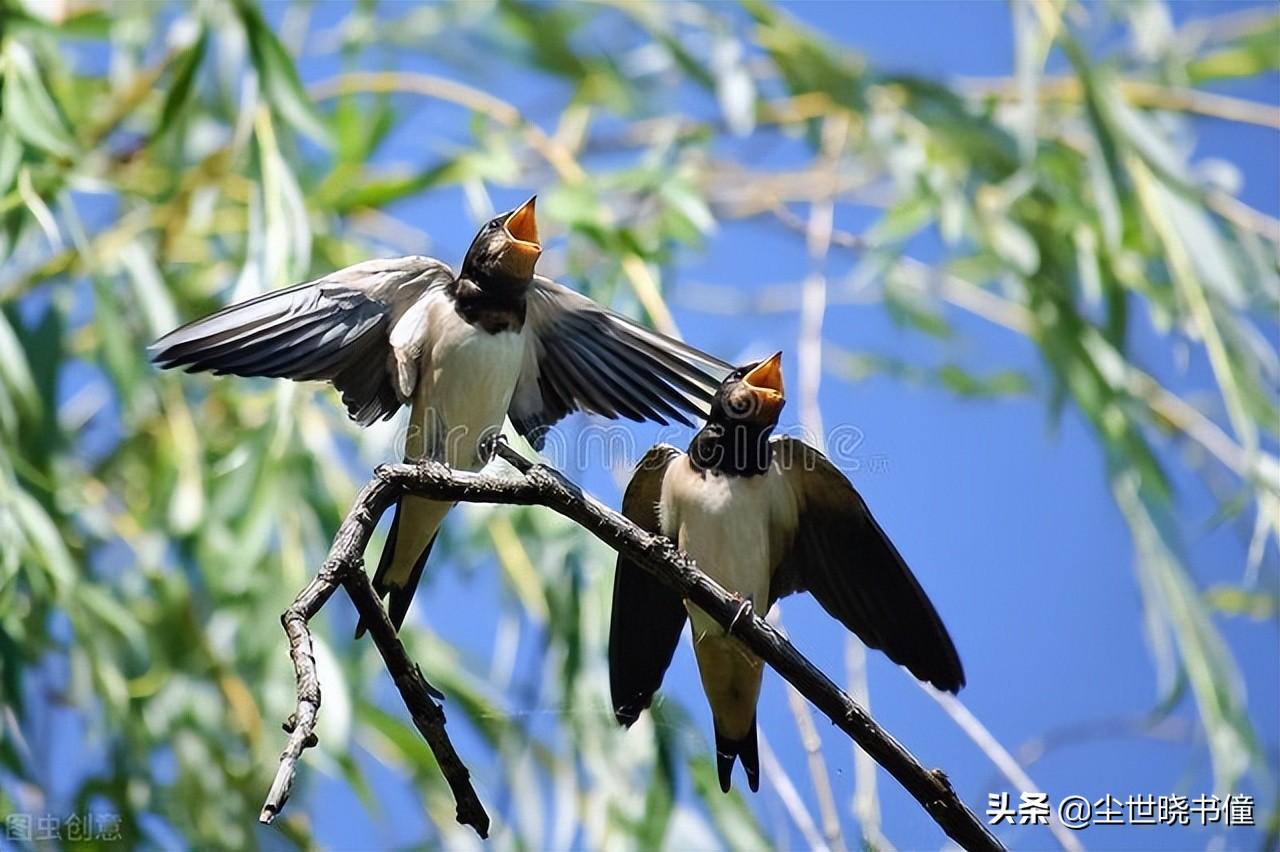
[[158, 162]]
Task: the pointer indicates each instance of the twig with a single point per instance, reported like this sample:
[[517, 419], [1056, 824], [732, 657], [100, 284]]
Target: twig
[[866, 800], [1000, 756], [428, 716], [539, 485], [832, 835], [1142, 93], [301, 725], [835, 131], [344, 566], [790, 797]]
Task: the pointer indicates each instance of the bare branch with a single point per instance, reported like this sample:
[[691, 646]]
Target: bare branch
[[540, 485], [345, 566]]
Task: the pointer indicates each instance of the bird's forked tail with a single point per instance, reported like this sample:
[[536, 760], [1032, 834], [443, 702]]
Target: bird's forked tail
[[746, 750]]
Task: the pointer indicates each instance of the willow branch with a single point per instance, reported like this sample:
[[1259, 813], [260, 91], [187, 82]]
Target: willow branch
[[1142, 93], [813, 309], [1173, 409], [557, 155]]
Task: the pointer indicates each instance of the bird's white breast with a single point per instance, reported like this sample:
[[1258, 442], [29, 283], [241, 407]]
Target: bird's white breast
[[723, 522], [465, 381]]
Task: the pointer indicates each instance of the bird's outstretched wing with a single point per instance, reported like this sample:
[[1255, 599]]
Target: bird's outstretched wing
[[581, 356], [647, 618], [838, 552], [336, 328]]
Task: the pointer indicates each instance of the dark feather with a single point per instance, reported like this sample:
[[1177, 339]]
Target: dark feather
[[398, 597], [334, 329], [582, 356], [746, 750], [842, 556], [647, 617]]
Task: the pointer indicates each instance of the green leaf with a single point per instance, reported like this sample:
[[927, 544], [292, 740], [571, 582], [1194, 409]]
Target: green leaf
[[379, 192], [659, 803], [1002, 383], [43, 540], [1233, 600], [1251, 54], [15, 372], [1211, 671], [1204, 244], [1014, 245], [909, 308], [29, 110], [112, 613], [10, 159], [807, 61], [279, 76], [87, 22], [360, 131], [183, 85]]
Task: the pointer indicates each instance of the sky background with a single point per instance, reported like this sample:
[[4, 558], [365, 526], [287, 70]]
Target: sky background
[[1005, 515]]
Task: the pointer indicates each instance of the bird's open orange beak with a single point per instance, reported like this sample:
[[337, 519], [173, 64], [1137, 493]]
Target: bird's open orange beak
[[765, 383], [522, 226], [767, 376]]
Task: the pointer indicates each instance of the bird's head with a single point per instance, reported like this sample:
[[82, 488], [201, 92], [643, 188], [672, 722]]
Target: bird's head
[[744, 411], [506, 248], [751, 394]]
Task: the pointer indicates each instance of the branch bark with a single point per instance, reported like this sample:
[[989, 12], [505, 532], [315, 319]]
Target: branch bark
[[345, 567], [540, 485]]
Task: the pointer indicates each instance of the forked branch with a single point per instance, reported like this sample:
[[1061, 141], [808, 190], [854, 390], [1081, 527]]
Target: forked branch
[[540, 485]]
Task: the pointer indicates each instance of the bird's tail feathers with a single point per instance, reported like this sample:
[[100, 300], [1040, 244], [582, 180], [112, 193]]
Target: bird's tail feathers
[[746, 750], [398, 595]]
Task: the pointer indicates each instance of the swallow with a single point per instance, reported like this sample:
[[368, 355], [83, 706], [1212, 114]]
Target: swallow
[[764, 517], [463, 350]]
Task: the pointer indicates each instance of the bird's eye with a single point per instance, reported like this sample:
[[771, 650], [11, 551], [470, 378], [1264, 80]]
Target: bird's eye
[[741, 403], [494, 225]]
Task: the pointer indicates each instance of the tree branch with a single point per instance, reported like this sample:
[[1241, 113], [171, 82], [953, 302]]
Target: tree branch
[[537, 484], [345, 566]]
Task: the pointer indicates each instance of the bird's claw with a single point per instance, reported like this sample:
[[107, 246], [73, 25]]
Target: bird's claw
[[742, 610], [491, 446]]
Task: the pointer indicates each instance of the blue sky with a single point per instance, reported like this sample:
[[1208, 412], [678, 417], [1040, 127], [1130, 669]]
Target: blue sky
[[1007, 517]]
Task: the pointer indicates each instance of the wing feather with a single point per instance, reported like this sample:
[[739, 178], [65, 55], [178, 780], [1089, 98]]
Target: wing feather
[[841, 555], [336, 328], [581, 356], [647, 617]]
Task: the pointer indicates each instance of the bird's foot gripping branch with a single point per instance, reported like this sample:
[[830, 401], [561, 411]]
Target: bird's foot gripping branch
[[537, 484]]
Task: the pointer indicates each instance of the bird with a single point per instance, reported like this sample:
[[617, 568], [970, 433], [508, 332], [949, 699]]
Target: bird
[[463, 350], [764, 516]]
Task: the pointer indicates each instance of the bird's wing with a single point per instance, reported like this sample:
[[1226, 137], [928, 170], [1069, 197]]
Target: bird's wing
[[581, 356], [647, 616], [836, 550], [336, 328]]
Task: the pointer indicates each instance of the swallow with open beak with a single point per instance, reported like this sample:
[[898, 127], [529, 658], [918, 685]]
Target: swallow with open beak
[[764, 517], [462, 350]]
